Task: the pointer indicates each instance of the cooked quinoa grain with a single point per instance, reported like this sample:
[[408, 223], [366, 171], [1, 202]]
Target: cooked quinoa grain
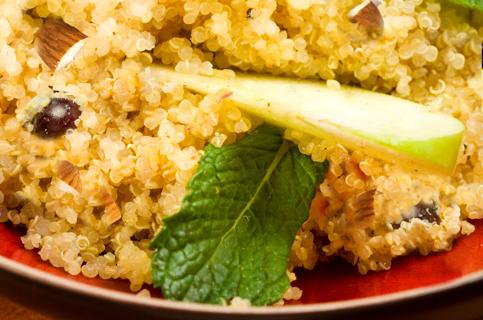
[[139, 137]]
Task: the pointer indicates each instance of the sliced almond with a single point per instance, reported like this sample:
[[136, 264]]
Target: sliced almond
[[360, 209], [368, 16], [59, 43], [69, 174], [364, 206], [112, 212]]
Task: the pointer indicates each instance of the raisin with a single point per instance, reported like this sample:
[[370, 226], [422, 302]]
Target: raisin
[[423, 211], [56, 118], [427, 212]]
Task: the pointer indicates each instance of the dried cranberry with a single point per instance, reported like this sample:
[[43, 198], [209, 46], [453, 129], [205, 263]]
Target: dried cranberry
[[56, 118]]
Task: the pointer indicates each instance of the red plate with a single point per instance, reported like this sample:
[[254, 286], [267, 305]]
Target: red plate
[[337, 281]]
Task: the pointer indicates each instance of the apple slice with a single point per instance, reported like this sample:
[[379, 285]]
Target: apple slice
[[380, 125]]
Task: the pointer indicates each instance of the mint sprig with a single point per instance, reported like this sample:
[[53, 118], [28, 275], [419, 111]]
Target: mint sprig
[[233, 234]]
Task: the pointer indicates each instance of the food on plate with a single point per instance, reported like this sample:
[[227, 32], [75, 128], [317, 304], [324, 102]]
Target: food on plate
[[212, 148]]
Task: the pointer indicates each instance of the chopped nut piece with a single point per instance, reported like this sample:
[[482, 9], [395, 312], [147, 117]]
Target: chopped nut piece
[[59, 43], [364, 205], [69, 174], [368, 16], [112, 212]]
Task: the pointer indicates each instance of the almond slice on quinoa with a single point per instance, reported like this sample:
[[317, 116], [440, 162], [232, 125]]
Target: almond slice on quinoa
[[69, 173], [59, 43], [112, 212], [364, 206], [368, 16]]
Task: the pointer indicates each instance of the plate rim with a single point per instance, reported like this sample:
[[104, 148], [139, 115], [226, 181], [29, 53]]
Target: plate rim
[[58, 282]]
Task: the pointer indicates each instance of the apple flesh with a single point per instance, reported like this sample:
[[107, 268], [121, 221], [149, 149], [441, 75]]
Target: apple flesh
[[380, 125]]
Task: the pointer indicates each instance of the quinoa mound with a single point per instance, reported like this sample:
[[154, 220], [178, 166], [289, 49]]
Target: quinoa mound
[[138, 139]]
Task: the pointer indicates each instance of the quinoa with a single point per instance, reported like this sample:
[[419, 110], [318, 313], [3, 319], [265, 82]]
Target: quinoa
[[139, 137]]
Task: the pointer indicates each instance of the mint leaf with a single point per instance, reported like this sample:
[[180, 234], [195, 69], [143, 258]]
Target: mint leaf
[[233, 234], [472, 4]]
